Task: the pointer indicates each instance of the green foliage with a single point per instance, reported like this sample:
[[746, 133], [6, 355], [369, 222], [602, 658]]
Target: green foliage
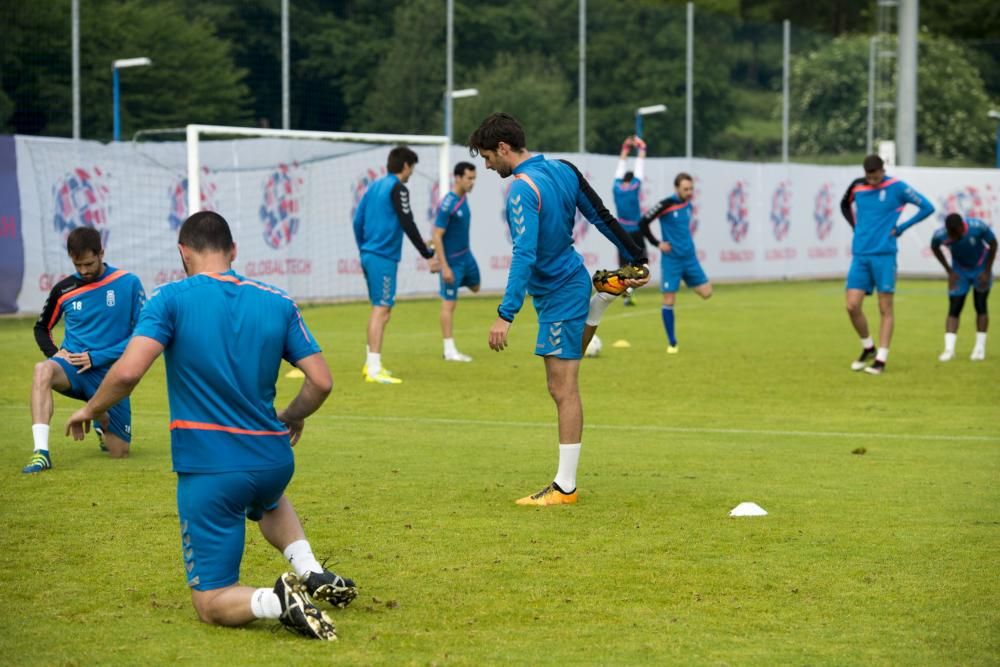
[[830, 100], [883, 559]]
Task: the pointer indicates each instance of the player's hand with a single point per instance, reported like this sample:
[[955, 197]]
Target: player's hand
[[952, 280], [81, 360], [983, 280], [447, 274], [434, 264], [63, 353], [637, 282], [78, 425], [665, 247], [498, 334], [295, 427]]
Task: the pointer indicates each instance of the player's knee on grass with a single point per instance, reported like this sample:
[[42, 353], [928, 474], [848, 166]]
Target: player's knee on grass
[[117, 448], [474, 288], [979, 301], [704, 291], [955, 305]]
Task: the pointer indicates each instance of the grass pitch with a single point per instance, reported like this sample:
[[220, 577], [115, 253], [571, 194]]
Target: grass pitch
[[890, 557]]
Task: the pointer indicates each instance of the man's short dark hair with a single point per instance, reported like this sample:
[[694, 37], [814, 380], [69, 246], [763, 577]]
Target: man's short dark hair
[[681, 177], [83, 239], [953, 221], [206, 231], [496, 128], [872, 163], [399, 157], [628, 176], [463, 167]]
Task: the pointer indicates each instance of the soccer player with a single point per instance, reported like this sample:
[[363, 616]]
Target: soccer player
[[541, 207], [878, 200], [383, 215], [99, 305], [223, 337], [626, 189], [678, 258], [973, 248], [451, 242]]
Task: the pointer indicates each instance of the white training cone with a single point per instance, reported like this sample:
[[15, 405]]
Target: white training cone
[[748, 509]]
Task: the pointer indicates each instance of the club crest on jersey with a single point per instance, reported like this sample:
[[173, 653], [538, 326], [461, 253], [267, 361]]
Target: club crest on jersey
[[109, 298], [881, 194], [82, 199]]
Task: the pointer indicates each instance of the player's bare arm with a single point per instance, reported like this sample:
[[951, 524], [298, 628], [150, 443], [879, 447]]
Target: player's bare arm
[[314, 391]]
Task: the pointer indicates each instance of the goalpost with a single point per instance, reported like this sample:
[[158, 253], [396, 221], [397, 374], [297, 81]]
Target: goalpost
[[196, 132]]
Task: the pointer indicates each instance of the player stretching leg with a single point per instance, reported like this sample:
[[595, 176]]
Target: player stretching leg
[[99, 305], [973, 248], [224, 337], [878, 200], [541, 207], [679, 259], [458, 266]]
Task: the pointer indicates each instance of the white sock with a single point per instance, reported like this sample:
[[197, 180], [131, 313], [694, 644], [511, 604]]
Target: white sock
[[882, 354], [569, 457], [374, 363], [867, 343], [981, 340], [40, 432], [449, 346], [264, 603], [949, 341], [598, 304], [300, 556]]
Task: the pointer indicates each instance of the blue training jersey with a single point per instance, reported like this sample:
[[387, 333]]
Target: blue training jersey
[[969, 252], [878, 210], [541, 210], [675, 226], [381, 218], [224, 337], [98, 315], [454, 217], [627, 202]]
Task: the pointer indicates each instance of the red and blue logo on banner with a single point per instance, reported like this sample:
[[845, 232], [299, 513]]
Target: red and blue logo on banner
[[82, 199], [280, 210]]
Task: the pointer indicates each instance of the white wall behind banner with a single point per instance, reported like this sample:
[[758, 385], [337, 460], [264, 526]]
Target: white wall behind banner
[[290, 204]]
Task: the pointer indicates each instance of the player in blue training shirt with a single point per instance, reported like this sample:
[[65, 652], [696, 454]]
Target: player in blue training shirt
[[541, 208], [383, 215], [99, 305], [451, 242], [679, 260], [878, 200], [973, 247], [626, 190], [223, 338]]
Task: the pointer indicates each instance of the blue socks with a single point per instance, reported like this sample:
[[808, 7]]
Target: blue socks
[[668, 323]]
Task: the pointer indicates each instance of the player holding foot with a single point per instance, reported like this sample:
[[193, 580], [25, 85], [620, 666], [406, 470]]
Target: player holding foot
[[224, 337], [678, 258], [973, 248], [382, 216], [626, 189], [878, 200], [451, 242], [99, 305], [541, 207]]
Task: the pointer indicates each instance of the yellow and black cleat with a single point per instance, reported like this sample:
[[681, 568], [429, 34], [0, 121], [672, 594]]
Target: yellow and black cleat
[[613, 282], [550, 495]]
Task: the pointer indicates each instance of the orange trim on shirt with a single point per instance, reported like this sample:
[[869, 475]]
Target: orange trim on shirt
[[204, 426], [236, 281], [81, 290], [884, 184], [531, 184], [675, 207]]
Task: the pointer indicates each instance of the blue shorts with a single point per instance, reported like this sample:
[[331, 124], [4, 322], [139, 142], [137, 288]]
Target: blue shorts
[[870, 272], [213, 509], [562, 315], [466, 275], [83, 386], [380, 274], [969, 278], [675, 269]]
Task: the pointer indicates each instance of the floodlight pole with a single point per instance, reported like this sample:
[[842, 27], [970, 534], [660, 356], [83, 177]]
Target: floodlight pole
[[582, 74], [449, 97], [286, 105], [785, 74], [116, 95], [689, 86], [76, 68], [995, 115], [646, 111]]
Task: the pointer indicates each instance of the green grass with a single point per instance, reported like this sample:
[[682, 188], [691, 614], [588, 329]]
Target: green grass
[[888, 558]]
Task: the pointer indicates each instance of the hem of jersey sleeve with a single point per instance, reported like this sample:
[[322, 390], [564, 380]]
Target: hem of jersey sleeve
[[298, 359], [503, 317]]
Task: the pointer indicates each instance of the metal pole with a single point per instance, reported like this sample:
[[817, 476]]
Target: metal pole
[[906, 91], [638, 125], [286, 107], [76, 69], [785, 75], [872, 47], [582, 129], [116, 134], [449, 73], [689, 103]]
